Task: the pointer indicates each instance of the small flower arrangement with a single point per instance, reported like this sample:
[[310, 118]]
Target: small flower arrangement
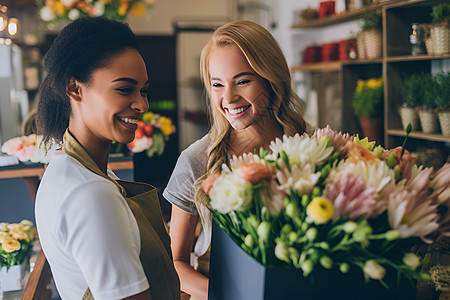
[[368, 98], [152, 134], [331, 200], [70, 10], [16, 242], [28, 148]]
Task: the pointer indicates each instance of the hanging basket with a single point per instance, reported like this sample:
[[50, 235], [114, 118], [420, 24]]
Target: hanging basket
[[409, 115], [373, 43], [444, 121], [428, 120], [440, 35]]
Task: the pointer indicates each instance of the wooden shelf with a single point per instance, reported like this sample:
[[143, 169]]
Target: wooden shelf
[[420, 135], [343, 17], [416, 58], [332, 66], [10, 172]]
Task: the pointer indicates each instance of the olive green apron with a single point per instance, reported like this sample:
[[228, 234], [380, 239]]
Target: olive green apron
[[155, 254]]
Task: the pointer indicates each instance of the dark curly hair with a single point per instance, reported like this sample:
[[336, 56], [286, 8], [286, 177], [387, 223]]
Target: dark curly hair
[[82, 47]]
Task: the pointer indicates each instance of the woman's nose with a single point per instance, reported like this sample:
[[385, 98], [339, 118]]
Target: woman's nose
[[140, 104], [230, 95]]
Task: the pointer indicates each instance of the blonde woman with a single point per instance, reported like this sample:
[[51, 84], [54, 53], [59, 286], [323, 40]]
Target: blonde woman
[[252, 103]]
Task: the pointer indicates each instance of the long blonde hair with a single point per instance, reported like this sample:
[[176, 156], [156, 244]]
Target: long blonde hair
[[266, 58]]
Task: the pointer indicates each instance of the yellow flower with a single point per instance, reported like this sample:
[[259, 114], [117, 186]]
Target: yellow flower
[[166, 127], [320, 210], [107, 1], [58, 8], [11, 245], [19, 235], [147, 117], [374, 83], [123, 7], [138, 9]]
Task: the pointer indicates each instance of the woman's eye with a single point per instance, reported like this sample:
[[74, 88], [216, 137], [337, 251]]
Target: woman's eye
[[125, 90], [217, 85], [243, 81]]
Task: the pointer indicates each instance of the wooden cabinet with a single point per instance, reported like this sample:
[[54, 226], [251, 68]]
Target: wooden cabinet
[[396, 63]]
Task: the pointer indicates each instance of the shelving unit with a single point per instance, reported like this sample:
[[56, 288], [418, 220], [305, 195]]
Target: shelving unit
[[395, 63]]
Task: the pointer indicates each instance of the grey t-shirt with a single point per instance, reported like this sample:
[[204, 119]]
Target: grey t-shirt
[[180, 190]]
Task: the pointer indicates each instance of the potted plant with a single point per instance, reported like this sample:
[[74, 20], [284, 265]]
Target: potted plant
[[440, 28], [370, 35], [368, 107], [427, 109], [16, 243], [443, 101], [411, 92]]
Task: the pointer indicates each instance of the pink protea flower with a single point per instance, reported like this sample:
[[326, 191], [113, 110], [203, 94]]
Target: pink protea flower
[[338, 139], [412, 210], [350, 197], [405, 162], [441, 184]]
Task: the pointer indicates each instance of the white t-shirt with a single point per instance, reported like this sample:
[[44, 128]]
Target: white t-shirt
[[88, 232]]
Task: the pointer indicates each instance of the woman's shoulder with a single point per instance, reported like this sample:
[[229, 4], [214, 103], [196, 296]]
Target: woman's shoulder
[[195, 154]]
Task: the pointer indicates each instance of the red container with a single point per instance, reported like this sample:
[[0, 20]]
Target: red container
[[344, 48], [330, 51], [326, 8], [312, 54]]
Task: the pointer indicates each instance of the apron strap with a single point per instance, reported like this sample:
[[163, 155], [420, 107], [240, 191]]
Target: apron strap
[[87, 295]]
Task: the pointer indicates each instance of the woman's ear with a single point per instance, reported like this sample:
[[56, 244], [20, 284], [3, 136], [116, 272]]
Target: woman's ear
[[73, 90]]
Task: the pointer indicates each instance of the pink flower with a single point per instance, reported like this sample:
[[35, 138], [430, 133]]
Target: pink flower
[[412, 210], [338, 139], [273, 197], [21, 147], [441, 183], [350, 197]]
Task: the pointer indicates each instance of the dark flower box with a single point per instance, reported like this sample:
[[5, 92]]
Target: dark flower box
[[236, 275]]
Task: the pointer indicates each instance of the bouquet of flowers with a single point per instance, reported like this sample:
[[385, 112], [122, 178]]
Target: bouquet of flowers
[[331, 200], [70, 10], [28, 148], [16, 242], [152, 134]]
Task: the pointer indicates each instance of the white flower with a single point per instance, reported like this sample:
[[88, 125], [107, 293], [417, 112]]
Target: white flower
[[73, 14], [4, 236], [229, 193], [142, 144], [374, 270], [302, 150], [46, 14], [3, 226], [236, 162], [301, 180], [67, 3], [99, 9], [411, 260]]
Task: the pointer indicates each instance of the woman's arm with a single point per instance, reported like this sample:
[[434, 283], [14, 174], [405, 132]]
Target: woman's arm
[[182, 231]]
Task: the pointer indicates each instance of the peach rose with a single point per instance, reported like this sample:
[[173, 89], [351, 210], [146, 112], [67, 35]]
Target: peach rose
[[11, 245], [208, 183], [254, 172]]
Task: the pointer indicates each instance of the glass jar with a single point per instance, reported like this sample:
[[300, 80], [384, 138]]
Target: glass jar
[[416, 40]]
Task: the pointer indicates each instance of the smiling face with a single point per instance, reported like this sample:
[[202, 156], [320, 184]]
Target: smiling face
[[113, 100], [237, 91]]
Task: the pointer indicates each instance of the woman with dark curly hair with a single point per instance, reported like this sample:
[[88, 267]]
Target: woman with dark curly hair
[[103, 237]]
